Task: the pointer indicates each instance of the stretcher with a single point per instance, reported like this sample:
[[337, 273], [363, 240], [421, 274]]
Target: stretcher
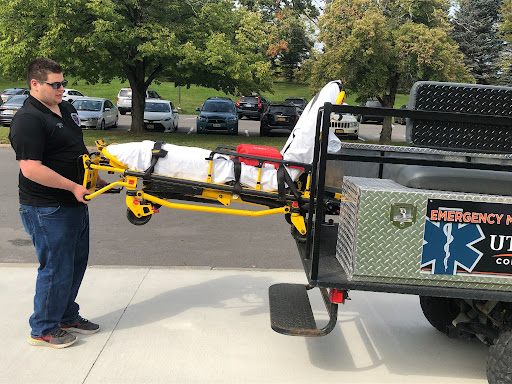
[[147, 192], [277, 182]]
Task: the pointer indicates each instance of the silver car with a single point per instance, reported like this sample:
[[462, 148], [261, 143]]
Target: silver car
[[96, 113], [124, 99]]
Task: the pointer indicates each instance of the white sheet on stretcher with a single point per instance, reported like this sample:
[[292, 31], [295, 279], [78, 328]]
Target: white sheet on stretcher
[[191, 163]]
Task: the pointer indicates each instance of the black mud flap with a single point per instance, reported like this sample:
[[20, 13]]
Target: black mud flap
[[291, 313]]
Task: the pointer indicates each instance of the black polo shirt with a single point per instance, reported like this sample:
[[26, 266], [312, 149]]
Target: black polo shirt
[[39, 134]]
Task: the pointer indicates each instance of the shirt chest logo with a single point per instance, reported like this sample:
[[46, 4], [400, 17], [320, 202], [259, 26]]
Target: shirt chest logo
[[76, 118], [60, 125]]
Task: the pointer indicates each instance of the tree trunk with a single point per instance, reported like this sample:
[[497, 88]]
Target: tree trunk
[[387, 130], [138, 104], [136, 75], [388, 101]]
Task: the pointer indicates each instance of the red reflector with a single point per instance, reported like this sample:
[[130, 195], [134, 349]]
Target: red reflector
[[135, 202], [295, 204], [337, 296], [155, 210], [131, 182]]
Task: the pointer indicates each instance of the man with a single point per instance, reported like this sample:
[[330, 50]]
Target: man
[[47, 139]]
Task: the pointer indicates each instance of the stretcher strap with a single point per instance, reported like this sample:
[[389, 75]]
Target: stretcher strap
[[282, 178], [237, 188], [156, 154]]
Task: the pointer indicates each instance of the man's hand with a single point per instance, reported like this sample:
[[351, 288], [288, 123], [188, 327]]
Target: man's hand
[[79, 191]]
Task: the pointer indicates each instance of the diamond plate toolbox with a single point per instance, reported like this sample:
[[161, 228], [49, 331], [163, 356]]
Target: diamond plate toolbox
[[460, 98], [389, 233]]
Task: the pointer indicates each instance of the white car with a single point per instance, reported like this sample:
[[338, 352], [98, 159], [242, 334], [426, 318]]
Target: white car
[[345, 126], [71, 95], [96, 113], [160, 116]]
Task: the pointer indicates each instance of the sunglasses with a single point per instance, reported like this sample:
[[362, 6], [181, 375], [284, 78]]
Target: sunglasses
[[57, 84]]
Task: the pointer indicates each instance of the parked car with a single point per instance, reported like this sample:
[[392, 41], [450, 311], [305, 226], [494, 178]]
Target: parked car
[[124, 99], [96, 113], [401, 120], [217, 115], [300, 102], [71, 94], [160, 116], [375, 118], [345, 126], [9, 109], [279, 115], [6, 93], [251, 106]]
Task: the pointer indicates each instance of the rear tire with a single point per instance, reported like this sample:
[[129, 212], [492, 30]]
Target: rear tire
[[116, 122], [102, 125], [122, 112], [440, 312], [499, 360]]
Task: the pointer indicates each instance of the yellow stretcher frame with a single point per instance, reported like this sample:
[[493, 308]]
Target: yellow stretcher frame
[[142, 205]]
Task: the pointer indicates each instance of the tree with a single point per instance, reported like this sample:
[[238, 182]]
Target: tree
[[377, 47], [475, 29], [208, 43], [506, 30], [290, 43], [291, 29]]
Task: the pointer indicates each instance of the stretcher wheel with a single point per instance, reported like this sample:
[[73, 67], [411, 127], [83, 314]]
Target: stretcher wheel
[[297, 235], [137, 220]]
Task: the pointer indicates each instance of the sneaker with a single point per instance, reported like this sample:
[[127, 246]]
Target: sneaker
[[82, 326], [56, 339]]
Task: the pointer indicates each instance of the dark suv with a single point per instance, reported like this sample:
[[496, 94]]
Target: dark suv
[[300, 102], [374, 104], [251, 106], [217, 115], [279, 116]]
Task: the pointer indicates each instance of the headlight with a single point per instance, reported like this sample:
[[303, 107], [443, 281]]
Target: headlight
[[94, 118], [202, 119], [231, 120], [167, 119]]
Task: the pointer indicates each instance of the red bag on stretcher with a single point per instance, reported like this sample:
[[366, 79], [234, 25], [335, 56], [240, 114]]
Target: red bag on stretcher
[[258, 150]]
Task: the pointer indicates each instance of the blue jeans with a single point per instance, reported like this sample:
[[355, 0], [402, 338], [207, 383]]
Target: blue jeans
[[61, 238]]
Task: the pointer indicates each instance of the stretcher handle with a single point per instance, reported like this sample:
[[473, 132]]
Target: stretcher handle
[[86, 197]]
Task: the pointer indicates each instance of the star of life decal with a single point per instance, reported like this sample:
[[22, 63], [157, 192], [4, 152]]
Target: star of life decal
[[447, 246]]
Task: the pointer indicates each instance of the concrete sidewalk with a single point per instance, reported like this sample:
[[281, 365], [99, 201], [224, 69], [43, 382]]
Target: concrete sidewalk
[[172, 325]]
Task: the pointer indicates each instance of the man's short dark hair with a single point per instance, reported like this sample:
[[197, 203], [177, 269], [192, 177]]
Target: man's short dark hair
[[40, 68]]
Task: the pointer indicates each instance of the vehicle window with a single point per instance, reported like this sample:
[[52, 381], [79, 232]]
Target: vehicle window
[[296, 101], [157, 107], [250, 99], [16, 99], [125, 93], [283, 109], [9, 90], [172, 106], [217, 106], [87, 105], [108, 104], [373, 104]]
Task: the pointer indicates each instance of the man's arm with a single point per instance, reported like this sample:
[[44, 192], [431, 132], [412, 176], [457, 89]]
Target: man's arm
[[41, 174]]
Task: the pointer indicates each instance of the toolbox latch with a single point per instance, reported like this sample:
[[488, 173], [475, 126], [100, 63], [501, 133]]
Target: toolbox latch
[[402, 215]]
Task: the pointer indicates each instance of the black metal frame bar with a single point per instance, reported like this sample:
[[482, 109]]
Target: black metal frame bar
[[316, 214]]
